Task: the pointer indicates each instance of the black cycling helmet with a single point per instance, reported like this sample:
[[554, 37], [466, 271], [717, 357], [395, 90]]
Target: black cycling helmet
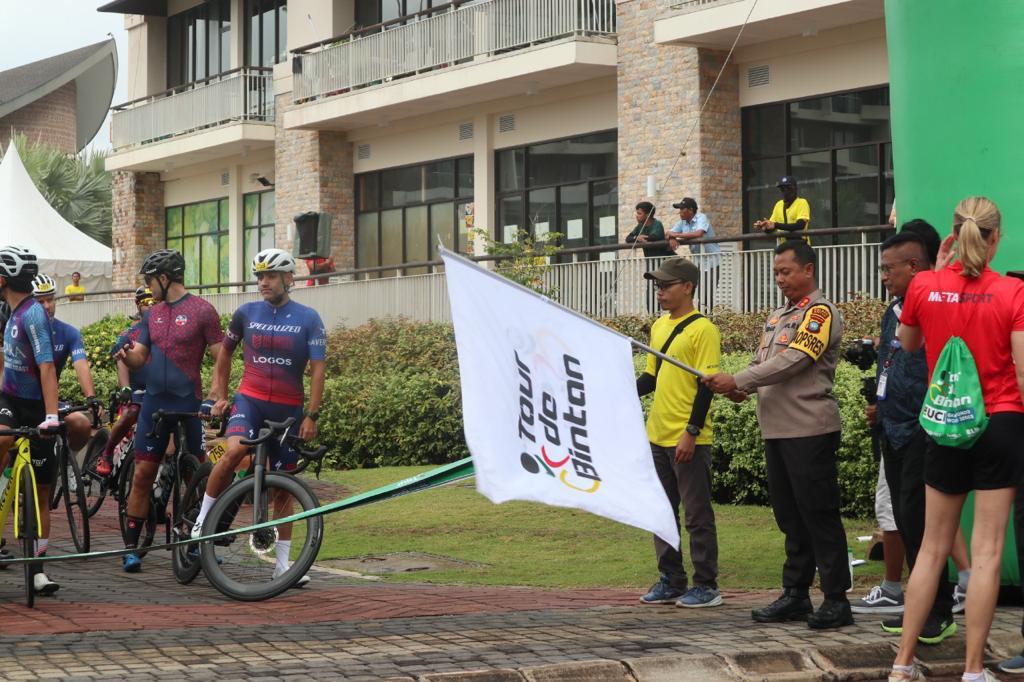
[[143, 294], [164, 262]]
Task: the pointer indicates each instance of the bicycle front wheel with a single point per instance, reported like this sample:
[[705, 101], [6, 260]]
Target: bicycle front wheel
[[243, 565], [74, 502], [185, 558], [95, 486], [27, 531]]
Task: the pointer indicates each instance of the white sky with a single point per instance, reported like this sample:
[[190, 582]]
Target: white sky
[[30, 31]]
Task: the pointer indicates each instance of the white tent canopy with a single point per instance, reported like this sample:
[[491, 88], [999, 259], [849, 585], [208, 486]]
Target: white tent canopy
[[27, 219]]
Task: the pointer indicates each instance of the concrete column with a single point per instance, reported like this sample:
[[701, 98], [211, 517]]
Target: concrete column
[[237, 33], [483, 178], [236, 222]]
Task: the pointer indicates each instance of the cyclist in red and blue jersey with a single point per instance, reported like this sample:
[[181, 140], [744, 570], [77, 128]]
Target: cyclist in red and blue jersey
[[174, 336], [29, 394], [279, 337], [67, 343], [132, 383]]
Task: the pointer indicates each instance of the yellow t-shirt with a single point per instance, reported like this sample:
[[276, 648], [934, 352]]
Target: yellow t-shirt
[[72, 290], [700, 347], [798, 210]]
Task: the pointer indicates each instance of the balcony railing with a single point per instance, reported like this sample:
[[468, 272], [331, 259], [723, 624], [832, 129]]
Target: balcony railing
[[455, 35], [245, 94], [697, 5]]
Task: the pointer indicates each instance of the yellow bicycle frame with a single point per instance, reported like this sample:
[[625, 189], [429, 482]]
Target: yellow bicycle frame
[[22, 459]]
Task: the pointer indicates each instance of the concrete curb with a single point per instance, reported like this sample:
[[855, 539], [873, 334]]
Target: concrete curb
[[836, 663]]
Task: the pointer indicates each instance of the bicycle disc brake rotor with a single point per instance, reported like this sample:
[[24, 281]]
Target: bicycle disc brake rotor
[[261, 542]]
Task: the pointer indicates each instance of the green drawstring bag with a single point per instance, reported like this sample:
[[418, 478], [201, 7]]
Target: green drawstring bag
[[953, 414]]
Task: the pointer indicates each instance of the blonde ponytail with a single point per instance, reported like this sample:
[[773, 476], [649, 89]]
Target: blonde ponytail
[[971, 216]]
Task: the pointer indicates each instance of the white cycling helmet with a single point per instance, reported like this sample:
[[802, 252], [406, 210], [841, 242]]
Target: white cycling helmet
[[17, 261], [272, 260], [43, 285]]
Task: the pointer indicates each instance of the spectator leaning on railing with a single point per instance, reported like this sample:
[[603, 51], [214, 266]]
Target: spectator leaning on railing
[[648, 229], [791, 214], [694, 225]]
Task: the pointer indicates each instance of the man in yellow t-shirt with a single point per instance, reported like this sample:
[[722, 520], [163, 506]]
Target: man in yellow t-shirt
[[679, 429], [75, 291], [791, 214]]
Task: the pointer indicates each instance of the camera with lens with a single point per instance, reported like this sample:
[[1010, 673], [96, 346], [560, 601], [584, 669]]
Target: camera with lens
[[863, 356]]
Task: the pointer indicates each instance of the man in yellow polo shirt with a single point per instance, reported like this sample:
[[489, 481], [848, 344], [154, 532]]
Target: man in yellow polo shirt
[[791, 214], [75, 291], [679, 429]]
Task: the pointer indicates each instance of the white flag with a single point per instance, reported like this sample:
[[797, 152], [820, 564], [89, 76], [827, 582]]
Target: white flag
[[549, 404]]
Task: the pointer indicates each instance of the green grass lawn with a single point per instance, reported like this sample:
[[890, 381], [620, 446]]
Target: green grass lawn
[[523, 543]]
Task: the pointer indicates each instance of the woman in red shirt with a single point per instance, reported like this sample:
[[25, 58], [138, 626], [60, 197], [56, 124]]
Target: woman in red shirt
[[968, 299]]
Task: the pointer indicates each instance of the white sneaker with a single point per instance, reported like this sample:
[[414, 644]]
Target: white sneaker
[[44, 585], [878, 601], [197, 531], [915, 676], [959, 600], [299, 584]]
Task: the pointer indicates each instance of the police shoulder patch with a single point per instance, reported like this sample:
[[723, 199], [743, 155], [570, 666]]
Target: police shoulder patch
[[812, 336]]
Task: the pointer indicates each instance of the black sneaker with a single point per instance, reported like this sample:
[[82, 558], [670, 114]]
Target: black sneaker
[[894, 626], [790, 606], [936, 629], [832, 613]]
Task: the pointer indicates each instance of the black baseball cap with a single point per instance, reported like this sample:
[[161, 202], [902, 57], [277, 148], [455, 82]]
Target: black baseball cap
[[675, 269], [687, 203], [786, 180]]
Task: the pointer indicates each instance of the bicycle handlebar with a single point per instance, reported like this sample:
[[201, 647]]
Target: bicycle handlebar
[[309, 453], [161, 415], [28, 432], [274, 429], [71, 409]]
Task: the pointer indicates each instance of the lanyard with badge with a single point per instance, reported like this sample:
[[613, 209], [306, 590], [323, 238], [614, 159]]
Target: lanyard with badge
[[894, 346]]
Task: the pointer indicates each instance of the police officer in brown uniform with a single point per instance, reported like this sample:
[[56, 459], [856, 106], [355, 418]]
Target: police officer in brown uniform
[[793, 374]]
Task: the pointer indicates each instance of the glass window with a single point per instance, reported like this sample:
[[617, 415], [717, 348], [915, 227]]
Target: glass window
[[266, 32], [417, 237], [572, 160], [542, 212], [814, 176], [511, 163], [574, 215], [426, 193], [465, 177], [510, 218], [199, 43], [200, 232], [258, 225], [604, 202], [764, 130], [367, 243], [857, 186], [282, 33]]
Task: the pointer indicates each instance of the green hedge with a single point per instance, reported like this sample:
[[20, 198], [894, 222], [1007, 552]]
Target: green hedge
[[393, 398]]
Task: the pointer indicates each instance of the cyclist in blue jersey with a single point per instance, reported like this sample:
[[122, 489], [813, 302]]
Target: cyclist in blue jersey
[[175, 334], [279, 337], [29, 394], [67, 342], [132, 384]]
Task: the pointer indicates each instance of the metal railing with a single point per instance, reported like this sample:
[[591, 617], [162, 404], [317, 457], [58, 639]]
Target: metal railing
[[245, 94], [697, 5], [742, 281], [458, 34]]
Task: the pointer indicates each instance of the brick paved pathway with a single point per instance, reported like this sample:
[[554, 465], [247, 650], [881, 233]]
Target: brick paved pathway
[[105, 624]]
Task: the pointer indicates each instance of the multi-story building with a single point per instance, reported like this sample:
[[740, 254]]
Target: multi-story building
[[413, 121]]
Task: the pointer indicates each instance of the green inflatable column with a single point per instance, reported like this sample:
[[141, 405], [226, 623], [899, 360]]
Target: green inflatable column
[[956, 73]]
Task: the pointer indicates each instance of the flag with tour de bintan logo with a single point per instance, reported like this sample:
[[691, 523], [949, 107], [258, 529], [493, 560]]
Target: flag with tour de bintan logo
[[549, 404]]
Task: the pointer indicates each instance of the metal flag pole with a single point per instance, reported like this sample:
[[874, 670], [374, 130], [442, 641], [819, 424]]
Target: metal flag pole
[[443, 252]]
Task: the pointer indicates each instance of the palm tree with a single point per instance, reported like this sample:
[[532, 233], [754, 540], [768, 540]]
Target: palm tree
[[76, 186]]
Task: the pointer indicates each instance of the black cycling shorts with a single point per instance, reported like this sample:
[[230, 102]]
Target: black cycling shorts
[[18, 412], [995, 461]]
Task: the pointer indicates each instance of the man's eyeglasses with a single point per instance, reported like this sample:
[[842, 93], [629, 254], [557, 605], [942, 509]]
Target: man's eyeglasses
[[886, 269], [661, 286]]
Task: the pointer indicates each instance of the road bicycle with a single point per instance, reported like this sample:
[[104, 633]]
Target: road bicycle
[[174, 474], [20, 493], [69, 485], [97, 487], [242, 565]]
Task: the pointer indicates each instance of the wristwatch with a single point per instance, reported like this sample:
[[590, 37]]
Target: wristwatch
[[314, 415], [693, 429]]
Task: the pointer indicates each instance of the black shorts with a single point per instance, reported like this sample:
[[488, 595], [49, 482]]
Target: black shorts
[[17, 412], [995, 461]]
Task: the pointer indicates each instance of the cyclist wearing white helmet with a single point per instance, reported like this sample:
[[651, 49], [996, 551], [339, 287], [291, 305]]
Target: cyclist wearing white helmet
[[278, 337], [67, 342], [30, 381]]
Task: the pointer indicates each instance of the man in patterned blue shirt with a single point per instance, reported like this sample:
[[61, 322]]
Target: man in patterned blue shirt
[[29, 396], [67, 343]]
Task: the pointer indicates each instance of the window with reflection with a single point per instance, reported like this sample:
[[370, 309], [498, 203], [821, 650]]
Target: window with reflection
[[200, 232], [257, 224], [266, 32], [839, 149], [401, 213], [566, 186], [373, 12], [199, 43]]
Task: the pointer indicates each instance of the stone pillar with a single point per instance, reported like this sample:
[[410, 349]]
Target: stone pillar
[[660, 91], [484, 185], [313, 172], [138, 223]]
